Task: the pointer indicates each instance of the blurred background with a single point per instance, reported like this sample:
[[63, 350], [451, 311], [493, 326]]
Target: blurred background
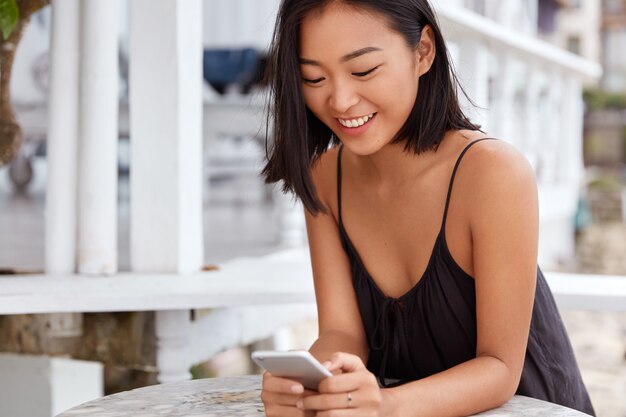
[[133, 134]]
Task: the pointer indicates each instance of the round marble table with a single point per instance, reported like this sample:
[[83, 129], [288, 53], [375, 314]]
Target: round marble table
[[240, 397]]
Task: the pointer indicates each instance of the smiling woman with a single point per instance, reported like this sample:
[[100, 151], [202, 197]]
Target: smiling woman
[[430, 302]]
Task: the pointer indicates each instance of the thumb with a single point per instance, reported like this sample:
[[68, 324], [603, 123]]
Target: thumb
[[345, 362]]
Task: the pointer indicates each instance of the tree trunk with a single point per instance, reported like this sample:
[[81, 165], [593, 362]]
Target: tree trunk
[[10, 131]]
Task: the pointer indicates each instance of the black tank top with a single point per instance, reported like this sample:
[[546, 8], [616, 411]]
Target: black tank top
[[432, 327]]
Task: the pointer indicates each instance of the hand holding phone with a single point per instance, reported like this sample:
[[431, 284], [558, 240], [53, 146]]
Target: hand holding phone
[[298, 365]]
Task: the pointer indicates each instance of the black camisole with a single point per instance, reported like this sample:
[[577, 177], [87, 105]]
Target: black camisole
[[432, 327]]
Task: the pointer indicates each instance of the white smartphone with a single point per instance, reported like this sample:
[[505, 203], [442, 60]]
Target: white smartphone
[[298, 365]]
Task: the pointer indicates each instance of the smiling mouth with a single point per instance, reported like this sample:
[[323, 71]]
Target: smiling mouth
[[357, 122]]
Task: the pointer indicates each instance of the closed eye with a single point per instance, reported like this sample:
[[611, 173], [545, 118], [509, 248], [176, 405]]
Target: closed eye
[[315, 81], [363, 74]]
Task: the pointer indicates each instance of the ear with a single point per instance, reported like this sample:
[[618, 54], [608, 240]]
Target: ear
[[426, 50]]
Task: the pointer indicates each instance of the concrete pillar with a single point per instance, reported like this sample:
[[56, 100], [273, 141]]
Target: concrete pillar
[[473, 70], [290, 213], [531, 143], [97, 230], [166, 157], [61, 186], [505, 95], [571, 164], [60, 243], [173, 330], [553, 125]]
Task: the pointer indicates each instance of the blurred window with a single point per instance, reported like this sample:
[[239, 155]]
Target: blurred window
[[573, 44]]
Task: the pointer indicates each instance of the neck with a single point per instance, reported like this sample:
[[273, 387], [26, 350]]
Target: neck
[[391, 166]]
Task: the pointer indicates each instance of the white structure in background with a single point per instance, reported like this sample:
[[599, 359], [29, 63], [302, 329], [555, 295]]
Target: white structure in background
[[35, 386], [531, 92], [517, 15], [577, 29]]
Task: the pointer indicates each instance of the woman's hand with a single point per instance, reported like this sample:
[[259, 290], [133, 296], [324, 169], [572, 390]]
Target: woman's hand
[[280, 396], [354, 392]]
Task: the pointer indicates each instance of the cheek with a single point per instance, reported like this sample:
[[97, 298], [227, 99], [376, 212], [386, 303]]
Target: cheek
[[398, 94], [312, 100]]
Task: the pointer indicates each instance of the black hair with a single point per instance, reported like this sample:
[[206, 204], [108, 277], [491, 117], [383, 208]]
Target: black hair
[[299, 137]]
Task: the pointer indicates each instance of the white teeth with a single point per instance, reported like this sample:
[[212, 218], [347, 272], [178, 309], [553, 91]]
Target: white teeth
[[356, 122]]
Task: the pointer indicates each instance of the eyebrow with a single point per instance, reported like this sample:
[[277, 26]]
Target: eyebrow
[[345, 58]]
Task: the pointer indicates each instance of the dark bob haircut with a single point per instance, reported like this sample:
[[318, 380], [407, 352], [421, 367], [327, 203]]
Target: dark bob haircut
[[299, 137]]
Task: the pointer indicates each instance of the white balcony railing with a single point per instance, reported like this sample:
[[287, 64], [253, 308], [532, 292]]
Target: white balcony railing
[[530, 94]]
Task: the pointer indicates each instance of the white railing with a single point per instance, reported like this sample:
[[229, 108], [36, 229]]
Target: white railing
[[529, 93]]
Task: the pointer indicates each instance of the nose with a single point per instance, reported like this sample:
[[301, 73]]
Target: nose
[[342, 97]]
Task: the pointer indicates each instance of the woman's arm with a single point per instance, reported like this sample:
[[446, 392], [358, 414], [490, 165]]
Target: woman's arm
[[340, 325]]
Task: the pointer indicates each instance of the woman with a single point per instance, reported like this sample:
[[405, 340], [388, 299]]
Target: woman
[[425, 267]]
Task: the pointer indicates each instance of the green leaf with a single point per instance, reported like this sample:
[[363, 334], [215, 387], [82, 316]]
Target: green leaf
[[9, 16]]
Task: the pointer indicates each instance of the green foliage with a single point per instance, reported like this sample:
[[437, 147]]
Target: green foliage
[[9, 16], [598, 99]]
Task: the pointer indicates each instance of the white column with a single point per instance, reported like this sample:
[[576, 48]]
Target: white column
[[505, 93], [571, 165], [292, 225], [61, 185], [173, 330], [97, 230], [552, 133], [166, 156], [473, 71], [530, 145]]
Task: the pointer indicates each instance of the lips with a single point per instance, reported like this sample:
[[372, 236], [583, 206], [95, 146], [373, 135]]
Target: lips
[[356, 122]]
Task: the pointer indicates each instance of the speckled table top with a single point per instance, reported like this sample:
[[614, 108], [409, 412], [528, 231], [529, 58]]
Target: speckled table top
[[240, 397]]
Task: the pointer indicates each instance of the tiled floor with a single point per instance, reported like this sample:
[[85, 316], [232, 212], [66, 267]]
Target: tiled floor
[[237, 221]]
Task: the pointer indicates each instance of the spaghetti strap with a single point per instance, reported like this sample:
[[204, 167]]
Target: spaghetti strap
[[456, 165], [339, 185]]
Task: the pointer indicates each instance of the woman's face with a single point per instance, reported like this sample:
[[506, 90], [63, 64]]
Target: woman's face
[[359, 77]]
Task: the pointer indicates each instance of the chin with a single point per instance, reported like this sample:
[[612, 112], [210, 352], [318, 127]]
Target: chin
[[362, 147]]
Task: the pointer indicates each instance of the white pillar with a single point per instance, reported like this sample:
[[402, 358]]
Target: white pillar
[[97, 231], [504, 102], [61, 186], [531, 143], [292, 225], [173, 330], [571, 163], [552, 132], [473, 68], [166, 156]]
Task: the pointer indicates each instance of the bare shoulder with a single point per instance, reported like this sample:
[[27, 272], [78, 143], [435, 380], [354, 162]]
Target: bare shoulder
[[496, 176], [324, 176], [496, 162]]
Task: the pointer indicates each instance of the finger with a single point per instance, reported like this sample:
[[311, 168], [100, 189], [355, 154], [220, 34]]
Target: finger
[[344, 361], [269, 397], [347, 382], [282, 385], [326, 402], [338, 413], [282, 411]]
